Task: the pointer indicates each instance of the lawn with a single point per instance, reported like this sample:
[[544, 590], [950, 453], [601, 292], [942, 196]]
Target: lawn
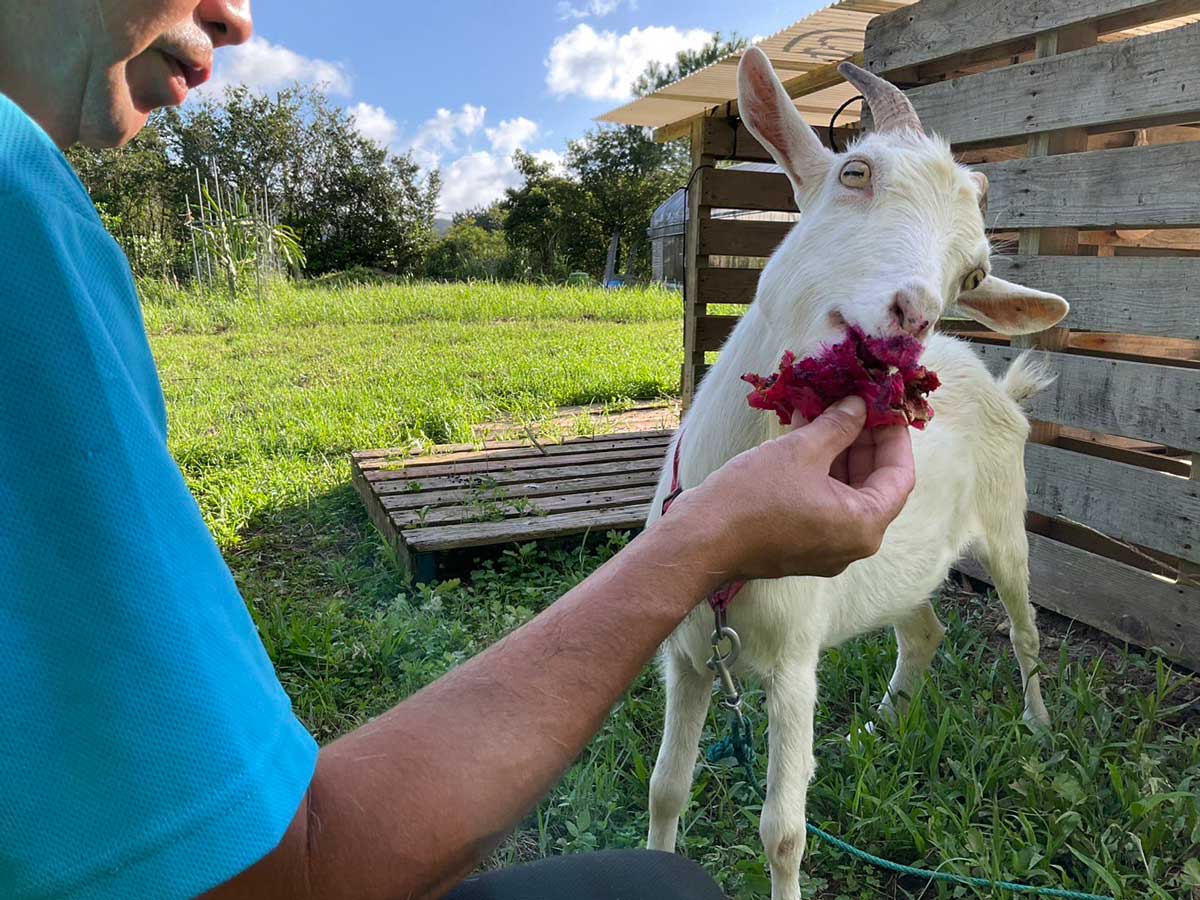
[[267, 397]]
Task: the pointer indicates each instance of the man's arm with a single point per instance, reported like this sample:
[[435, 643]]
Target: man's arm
[[407, 805]]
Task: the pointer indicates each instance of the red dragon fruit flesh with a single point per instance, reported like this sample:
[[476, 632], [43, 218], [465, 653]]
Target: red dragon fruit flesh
[[883, 371]]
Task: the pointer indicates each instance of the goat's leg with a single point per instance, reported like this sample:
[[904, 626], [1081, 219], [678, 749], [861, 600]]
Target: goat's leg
[[917, 640], [688, 693], [791, 699], [1007, 559]]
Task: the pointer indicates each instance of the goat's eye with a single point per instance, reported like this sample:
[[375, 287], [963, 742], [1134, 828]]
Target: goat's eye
[[974, 279], [855, 174]]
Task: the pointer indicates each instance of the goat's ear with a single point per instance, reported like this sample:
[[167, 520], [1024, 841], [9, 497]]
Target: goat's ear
[[772, 118], [981, 189], [1012, 308]]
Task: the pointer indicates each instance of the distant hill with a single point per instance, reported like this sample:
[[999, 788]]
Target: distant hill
[[442, 225]]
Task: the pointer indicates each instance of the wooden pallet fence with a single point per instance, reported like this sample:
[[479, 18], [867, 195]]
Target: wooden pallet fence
[[1084, 129]]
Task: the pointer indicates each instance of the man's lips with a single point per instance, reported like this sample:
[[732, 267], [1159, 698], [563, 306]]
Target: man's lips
[[193, 76]]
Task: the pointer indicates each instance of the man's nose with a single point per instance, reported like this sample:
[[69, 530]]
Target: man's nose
[[228, 22]]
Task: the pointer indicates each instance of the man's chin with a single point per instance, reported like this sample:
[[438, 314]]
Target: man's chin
[[112, 130]]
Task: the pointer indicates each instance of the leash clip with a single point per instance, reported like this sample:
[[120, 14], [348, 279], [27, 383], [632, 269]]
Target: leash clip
[[720, 662]]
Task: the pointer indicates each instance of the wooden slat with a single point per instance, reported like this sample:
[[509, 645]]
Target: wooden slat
[[713, 331], [730, 139], [435, 498], [444, 537], [1135, 453], [935, 30], [508, 507], [740, 189], [1126, 502], [1128, 294], [1128, 603], [719, 285], [512, 476], [523, 450], [444, 452], [488, 467], [1151, 77], [734, 237], [1133, 399], [1151, 187]]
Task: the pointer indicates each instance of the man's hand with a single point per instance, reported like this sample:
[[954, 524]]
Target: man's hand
[[808, 503]]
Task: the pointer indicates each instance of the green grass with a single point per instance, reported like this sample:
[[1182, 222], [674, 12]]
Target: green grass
[[266, 401]]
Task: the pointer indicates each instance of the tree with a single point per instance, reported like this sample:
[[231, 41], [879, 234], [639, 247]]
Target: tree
[[551, 223], [629, 175], [469, 251], [351, 201]]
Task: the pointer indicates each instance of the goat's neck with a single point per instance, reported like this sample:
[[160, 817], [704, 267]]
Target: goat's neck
[[720, 421]]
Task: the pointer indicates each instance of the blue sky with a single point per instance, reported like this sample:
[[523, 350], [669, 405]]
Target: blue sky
[[462, 83]]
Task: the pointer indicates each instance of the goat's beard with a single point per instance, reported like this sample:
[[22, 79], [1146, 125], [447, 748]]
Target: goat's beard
[[883, 371]]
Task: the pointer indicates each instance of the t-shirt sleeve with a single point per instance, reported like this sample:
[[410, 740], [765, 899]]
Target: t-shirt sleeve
[[148, 748]]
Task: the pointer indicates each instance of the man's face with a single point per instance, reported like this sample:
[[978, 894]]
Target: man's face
[[140, 55]]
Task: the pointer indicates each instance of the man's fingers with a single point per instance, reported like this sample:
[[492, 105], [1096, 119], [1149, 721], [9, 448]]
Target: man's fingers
[[893, 479], [836, 428]]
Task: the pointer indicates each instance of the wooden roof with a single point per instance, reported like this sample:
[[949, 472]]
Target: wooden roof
[[806, 55], [807, 51]]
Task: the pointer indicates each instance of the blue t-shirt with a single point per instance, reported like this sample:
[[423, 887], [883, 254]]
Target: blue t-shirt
[[147, 749]]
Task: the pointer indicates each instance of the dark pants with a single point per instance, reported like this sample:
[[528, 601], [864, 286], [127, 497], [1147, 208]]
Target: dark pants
[[612, 875]]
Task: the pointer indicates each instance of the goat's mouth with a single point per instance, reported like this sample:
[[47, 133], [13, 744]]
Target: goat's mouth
[[884, 371]]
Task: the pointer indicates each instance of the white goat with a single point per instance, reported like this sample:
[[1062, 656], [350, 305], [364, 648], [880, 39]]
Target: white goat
[[891, 233]]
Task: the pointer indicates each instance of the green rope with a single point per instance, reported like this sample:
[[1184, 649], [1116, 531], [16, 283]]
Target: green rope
[[739, 744]]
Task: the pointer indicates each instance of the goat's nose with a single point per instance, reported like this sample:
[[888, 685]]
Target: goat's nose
[[908, 312]]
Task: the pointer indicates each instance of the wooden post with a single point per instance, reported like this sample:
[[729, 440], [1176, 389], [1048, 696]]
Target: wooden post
[[1189, 572], [694, 306], [1054, 241]]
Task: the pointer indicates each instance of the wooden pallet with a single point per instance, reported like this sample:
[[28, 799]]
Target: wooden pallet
[[513, 491]]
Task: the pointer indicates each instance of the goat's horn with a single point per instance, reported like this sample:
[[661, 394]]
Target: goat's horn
[[890, 109]]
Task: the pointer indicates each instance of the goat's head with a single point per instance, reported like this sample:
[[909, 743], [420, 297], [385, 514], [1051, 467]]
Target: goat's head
[[892, 230]]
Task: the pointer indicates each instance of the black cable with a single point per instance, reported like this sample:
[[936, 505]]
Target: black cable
[[833, 120]]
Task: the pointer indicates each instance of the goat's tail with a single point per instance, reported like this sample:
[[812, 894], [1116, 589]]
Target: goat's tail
[[1027, 375]]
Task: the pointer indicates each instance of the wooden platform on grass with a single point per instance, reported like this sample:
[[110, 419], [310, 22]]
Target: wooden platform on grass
[[513, 491]]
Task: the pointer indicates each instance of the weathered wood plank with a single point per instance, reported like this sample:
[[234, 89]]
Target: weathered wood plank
[[720, 285], [1151, 187], [521, 451], [734, 237], [558, 525], [435, 498], [1125, 602], [512, 476], [526, 507], [694, 258], [1127, 502], [446, 451], [1133, 399], [740, 189], [1138, 295], [730, 139], [489, 467], [1151, 77], [935, 30], [713, 331]]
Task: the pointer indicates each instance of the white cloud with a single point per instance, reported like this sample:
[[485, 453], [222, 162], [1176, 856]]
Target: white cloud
[[603, 65], [474, 176], [441, 133], [265, 67], [597, 8], [374, 123], [511, 134]]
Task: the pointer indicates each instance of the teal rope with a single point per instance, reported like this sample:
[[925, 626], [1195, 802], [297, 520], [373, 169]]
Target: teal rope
[[739, 744]]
